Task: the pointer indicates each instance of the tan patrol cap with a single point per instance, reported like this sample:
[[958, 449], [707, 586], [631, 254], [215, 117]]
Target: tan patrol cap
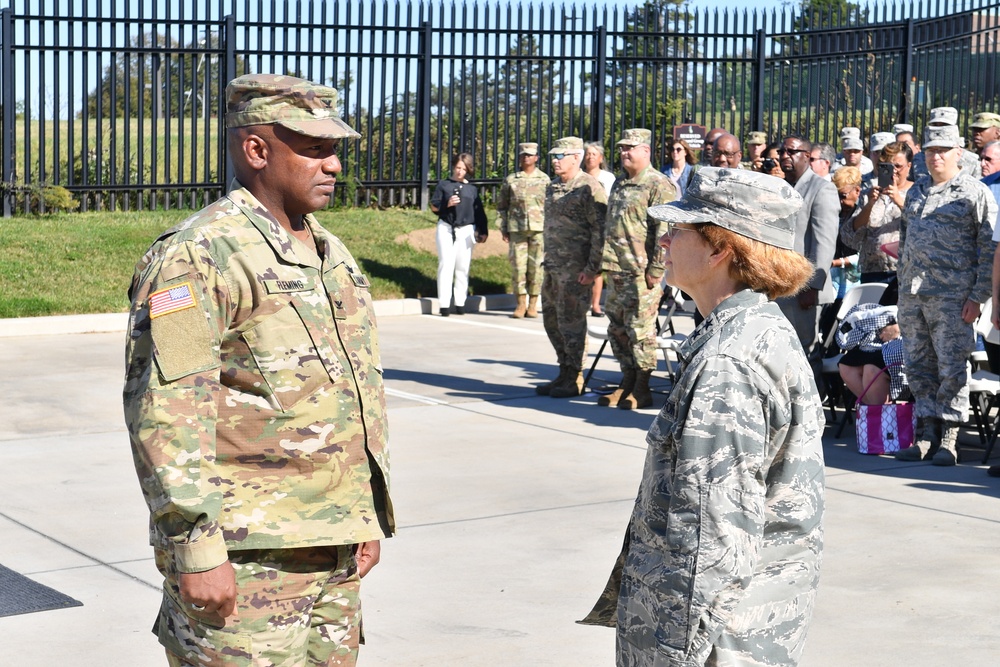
[[638, 136], [756, 138], [301, 106], [527, 149], [567, 145], [981, 121]]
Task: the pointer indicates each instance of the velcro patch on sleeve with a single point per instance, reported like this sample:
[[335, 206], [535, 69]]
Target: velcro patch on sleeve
[[170, 300], [182, 341]]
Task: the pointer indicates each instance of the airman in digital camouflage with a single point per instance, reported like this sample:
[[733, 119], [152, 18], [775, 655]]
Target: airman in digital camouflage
[[721, 559], [521, 208], [968, 163], [575, 205], [945, 262], [633, 266], [254, 401]]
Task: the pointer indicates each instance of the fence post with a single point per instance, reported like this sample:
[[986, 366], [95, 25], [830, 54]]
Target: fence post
[[760, 64], [9, 110], [599, 100], [229, 39], [424, 110], [904, 89]]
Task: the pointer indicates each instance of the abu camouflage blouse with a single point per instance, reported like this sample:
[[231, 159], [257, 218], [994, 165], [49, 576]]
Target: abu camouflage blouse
[[253, 391], [722, 555]]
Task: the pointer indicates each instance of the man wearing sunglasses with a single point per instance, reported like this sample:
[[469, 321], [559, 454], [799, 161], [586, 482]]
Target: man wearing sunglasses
[[816, 227], [633, 266], [575, 206]]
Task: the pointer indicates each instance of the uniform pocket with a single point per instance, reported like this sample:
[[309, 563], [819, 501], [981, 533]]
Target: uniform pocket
[[285, 354]]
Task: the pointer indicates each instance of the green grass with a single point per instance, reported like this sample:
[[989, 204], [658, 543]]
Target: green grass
[[82, 262]]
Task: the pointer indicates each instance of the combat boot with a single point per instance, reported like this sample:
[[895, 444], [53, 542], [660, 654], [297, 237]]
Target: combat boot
[[544, 389], [571, 385], [522, 305], [947, 453], [924, 439], [532, 306], [623, 390], [641, 396]]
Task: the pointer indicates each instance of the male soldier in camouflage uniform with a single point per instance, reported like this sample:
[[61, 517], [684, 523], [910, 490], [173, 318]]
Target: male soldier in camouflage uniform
[[633, 266], [575, 205], [521, 205], [985, 128], [945, 262], [756, 143], [968, 163], [721, 558], [254, 401]]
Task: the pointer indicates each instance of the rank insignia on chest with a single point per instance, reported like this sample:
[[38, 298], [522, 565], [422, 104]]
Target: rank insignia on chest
[[360, 280], [171, 300]]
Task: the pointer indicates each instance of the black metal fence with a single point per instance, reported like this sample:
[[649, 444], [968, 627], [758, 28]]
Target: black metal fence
[[120, 102]]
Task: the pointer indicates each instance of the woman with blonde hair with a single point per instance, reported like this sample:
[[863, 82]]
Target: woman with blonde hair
[[726, 531]]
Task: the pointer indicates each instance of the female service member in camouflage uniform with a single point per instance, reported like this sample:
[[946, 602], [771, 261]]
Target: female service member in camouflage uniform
[[721, 559]]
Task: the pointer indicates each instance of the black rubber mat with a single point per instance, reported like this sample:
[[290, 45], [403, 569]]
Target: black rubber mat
[[20, 595]]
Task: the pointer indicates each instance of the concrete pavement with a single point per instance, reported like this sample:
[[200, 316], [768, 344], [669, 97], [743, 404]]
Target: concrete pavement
[[510, 506]]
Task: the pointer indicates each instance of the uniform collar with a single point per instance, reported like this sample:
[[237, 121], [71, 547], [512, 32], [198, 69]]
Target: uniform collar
[[284, 244], [730, 307]]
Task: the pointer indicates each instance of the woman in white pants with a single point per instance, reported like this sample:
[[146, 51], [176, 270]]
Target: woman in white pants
[[461, 224]]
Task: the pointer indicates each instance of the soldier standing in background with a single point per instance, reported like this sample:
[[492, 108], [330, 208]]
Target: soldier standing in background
[[575, 206], [521, 206], [756, 142], [633, 266], [945, 262], [254, 401]]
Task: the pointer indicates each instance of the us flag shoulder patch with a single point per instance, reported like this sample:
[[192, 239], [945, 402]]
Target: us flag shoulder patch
[[170, 300]]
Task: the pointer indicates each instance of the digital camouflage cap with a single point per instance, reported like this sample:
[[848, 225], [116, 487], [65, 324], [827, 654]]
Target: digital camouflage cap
[[749, 203], [756, 138], [943, 116], [301, 106], [944, 136], [880, 140]]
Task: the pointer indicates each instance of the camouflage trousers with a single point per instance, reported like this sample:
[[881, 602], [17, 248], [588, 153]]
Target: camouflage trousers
[[631, 308], [294, 607], [565, 316], [937, 344], [526, 252]]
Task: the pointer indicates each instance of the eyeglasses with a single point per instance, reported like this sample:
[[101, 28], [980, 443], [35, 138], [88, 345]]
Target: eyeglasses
[[790, 151], [560, 156], [678, 149], [672, 230], [728, 154]]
